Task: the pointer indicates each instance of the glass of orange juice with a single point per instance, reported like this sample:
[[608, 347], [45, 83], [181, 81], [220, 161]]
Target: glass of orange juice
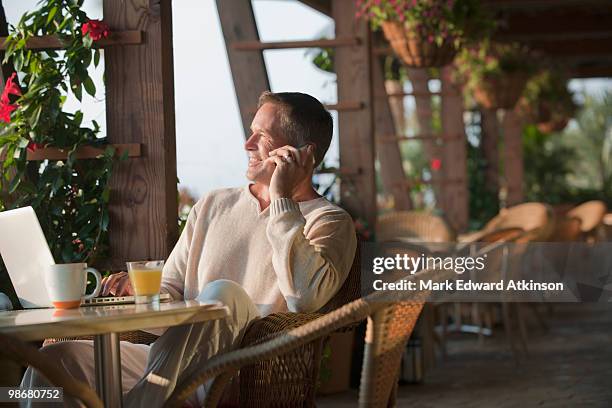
[[145, 277]]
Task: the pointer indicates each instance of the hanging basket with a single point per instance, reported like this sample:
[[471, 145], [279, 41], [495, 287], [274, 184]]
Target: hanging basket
[[414, 50], [551, 118], [500, 92]]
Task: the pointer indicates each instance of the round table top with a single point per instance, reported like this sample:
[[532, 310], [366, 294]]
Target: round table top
[[38, 324]]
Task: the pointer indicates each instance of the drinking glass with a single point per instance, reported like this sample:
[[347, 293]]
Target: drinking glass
[[145, 277]]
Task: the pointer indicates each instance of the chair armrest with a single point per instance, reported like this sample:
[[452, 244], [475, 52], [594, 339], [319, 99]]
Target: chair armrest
[[266, 347], [136, 337], [26, 354]]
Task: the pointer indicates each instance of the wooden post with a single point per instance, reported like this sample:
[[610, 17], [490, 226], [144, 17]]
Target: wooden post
[[140, 109], [248, 67], [489, 146], [389, 156], [454, 161], [513, 157], [353, 69]]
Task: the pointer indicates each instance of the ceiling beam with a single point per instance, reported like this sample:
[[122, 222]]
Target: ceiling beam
[[323, 6]]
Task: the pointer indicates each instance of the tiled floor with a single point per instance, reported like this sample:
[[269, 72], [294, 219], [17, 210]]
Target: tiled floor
[[568, 366]]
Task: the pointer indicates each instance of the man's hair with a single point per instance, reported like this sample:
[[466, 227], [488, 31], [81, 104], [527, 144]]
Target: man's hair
[[303, 119]]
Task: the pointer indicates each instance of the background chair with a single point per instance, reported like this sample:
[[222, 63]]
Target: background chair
[[591, 215], [421, 226]]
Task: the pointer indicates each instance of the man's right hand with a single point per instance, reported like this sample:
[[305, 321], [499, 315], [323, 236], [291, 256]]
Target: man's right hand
[[117, 284]]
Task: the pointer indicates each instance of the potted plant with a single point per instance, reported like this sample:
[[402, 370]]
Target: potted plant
[[425, 33], [547, 102], [495, 74]]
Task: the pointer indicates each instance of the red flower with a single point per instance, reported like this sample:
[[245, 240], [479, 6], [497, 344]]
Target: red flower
[[10, 88], [436, 164], [96, 29], [5, 112], [34, 146]]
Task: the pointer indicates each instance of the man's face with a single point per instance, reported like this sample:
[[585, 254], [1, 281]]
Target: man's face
[[265, 137]]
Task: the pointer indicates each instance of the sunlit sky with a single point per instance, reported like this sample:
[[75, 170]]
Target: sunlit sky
[[209, 135]]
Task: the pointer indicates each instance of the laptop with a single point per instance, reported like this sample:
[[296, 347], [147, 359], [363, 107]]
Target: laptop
[[26, 255]]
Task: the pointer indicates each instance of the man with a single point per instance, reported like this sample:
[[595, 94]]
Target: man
[[273, 246]]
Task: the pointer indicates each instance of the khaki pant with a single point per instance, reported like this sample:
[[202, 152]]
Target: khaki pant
[[174, 356]]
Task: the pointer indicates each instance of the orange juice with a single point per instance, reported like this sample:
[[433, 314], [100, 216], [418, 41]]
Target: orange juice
[[145, 282]]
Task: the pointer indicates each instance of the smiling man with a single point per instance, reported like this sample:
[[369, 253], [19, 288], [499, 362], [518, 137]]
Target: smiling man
[[274, 245]]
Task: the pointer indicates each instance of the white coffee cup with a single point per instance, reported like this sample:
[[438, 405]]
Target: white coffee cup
[[67, 283]]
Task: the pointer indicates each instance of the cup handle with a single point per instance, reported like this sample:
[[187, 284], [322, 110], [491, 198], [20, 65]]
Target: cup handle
[[98, 277]]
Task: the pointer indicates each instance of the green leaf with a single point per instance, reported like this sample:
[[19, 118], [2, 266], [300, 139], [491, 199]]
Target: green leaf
[[77, 90], [89, 86], [51, 14], [35, 117], [96, 58]]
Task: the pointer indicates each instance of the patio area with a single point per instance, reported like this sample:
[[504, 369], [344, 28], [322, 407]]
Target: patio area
[[570, 365]]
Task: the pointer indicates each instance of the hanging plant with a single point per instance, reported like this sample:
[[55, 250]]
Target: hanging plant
[[425, 33], [494, 74], [547, 101], [69, 196]]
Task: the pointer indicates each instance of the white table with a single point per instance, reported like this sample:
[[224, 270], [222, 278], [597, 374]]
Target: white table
[[105, 323]]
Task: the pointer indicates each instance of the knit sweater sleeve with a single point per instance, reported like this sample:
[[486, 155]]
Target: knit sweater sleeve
[[310, 267], [175, 268]]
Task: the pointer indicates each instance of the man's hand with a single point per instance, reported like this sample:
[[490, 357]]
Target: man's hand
[[117, 284], [293, 167]]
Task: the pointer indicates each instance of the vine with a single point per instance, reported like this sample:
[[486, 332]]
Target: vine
[[70, 196]]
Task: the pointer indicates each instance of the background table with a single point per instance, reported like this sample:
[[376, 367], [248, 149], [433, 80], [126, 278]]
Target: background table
[[105, 322]]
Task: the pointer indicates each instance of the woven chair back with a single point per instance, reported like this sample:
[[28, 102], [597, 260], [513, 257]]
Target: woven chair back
[[388, 331], [567, 229], [590, 214], [422, 226], [532, 217]]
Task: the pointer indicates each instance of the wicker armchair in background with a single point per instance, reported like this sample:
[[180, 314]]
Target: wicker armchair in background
[[420, 226], [536, 219], [591, 215]]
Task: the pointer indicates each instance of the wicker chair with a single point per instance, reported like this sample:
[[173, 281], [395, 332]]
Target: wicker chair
[[566, 229], [391, 319], [591, 215], [28, 355], [534, 218], [421, 226]]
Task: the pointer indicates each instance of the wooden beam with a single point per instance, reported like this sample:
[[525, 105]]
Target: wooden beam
[[52, 42], [454, 154], [489, 142], [340, 106], [512, 132], [140, 109], [282, 45], [558, 22], [389, 154], [322, 6], [85, 152], [541, 5], [356, 128], [248, 68]]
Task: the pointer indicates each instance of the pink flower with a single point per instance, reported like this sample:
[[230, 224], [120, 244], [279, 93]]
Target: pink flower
[[5, 112], [436, 164], [96, 29], [34, 146], [10, 88]]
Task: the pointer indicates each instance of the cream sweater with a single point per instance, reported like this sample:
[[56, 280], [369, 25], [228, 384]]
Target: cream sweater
[[289, 257]]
